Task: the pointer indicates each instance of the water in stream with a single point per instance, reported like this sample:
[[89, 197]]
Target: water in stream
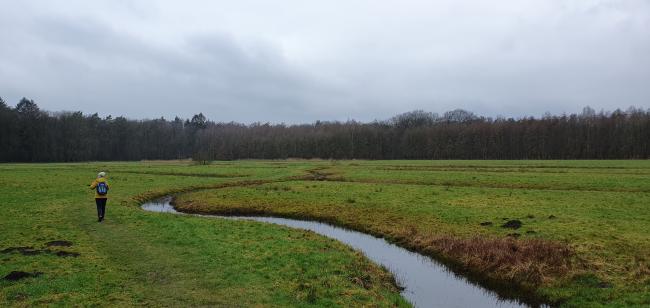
[[426, 282]]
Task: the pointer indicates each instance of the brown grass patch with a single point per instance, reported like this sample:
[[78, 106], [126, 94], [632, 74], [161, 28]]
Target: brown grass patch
[[528, 262]]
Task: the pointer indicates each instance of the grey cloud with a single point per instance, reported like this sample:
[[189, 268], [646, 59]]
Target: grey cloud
[[87, 63], [291, 63]]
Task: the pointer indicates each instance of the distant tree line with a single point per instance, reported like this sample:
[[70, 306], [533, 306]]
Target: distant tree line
[[28, 134]]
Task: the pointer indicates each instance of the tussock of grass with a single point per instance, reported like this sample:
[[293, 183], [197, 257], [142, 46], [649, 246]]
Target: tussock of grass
[[528, 262]]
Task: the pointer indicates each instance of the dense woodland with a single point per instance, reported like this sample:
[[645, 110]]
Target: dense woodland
[[28, 134]]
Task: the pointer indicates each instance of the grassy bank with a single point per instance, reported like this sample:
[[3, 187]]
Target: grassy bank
[[141, 258], [583, 238]]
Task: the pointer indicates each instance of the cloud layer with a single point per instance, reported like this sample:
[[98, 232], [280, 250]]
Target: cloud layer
[[298, 61]]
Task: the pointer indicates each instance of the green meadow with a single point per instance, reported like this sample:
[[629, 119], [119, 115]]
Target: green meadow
[[572, 233]]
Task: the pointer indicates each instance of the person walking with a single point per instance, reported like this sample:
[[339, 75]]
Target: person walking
[[100, 185]]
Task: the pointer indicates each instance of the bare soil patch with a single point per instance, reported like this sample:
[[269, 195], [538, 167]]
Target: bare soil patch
[[61, 243], [512, 224], [17, 275], [64, 253]]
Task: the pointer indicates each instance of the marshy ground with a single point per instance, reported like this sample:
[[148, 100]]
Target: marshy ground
[[576, 233]]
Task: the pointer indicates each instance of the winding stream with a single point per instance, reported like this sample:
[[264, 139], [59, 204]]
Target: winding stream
[[425, 282]]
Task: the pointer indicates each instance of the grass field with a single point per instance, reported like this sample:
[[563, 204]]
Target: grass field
[[584, 238]]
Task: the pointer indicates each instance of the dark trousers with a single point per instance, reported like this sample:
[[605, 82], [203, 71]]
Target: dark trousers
[[101, 207]]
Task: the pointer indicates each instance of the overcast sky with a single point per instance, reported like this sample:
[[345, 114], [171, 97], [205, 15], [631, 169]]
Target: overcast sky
[[299, 61]]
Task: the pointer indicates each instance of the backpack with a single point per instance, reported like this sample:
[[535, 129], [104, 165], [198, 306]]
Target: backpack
[[102, 188]]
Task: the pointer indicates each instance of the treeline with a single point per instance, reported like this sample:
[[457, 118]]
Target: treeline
[[28, 134]]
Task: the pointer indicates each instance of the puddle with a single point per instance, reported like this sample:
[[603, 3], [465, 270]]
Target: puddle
[[425, 282]]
